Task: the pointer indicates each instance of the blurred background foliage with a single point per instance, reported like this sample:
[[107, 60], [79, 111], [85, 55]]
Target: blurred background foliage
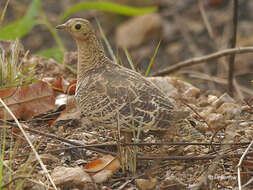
[[181, 29], [35, 15]]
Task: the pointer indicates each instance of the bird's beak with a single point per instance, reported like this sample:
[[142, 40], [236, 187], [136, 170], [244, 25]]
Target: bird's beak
[[61, 27]]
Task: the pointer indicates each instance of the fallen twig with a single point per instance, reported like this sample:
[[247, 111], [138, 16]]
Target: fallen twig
[[217, 80], [60, 138], [13, 180], [202, 59], [240, 163], [96, 149], [205, 19], [233, 44]]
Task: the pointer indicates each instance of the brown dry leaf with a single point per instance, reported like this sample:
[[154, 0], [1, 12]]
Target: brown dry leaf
[[26, 102], [248, 164], [71, 88], [99, 164], [71, 112], [103, 168], [61, 85], [57, 85]]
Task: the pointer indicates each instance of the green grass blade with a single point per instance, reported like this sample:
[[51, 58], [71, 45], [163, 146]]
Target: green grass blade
[[152, 59], [109, 47], [52, 30], [4, 11], [108, 7], [129, 59], [2, 152], [23, 26]]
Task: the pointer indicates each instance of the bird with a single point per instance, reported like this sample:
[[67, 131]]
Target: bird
[[113, 96]]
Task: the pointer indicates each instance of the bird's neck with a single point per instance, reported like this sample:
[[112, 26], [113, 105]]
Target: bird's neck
[[90, 55]]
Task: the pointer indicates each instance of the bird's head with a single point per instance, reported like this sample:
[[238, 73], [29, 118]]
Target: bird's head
[[78, 28]]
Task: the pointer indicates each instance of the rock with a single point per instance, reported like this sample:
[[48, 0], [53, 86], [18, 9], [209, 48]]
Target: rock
[[215, 120], [173, 87], [172, 183], [165, 84], [222, 99], [206, 112], [76, 176], [192, 92], [231, 132], [146, 184], [229, 110], [211, 99], [138, 30], [102, 176]]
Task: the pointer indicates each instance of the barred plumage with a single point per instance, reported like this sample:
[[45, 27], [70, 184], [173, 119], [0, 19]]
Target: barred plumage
[[106, 89]]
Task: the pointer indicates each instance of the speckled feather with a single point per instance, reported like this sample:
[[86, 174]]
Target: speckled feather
[[106, 91]]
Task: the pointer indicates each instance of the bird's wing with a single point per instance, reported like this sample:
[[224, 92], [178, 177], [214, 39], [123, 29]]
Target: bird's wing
[[118, 93]]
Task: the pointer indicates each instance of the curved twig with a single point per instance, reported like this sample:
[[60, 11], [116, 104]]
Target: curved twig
[[202, 59]]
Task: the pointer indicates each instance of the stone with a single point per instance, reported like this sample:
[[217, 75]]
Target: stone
[[139, 30], [64, 175]]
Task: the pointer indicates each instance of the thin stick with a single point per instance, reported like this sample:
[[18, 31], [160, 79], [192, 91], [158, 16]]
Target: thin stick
[[202, 59], [13, 180], [92, 147], [240, 163], [233, 44], [88, 147], [79, 145], [180, 144], [205, 19], [218, 80], [249, 182], [31, 145], [191, 158]]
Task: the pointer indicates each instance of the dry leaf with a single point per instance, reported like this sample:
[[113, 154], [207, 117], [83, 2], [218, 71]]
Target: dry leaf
[[71, 112], [103, 168], [26, 102], [61, 85], [71, 88], [58, 85], [100, 164]]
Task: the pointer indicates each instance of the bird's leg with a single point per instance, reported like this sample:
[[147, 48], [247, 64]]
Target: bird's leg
[[128, 154]]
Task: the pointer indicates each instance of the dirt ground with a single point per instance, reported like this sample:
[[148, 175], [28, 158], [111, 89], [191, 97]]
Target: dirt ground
[[213, 137]]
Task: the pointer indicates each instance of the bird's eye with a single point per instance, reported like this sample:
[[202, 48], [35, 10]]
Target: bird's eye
[[77, 26]]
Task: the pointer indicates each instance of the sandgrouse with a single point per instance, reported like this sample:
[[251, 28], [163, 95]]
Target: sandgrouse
[[105, 89], [109, 94]]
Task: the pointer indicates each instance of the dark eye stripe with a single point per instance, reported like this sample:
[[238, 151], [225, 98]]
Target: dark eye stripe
[[77, 26]]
